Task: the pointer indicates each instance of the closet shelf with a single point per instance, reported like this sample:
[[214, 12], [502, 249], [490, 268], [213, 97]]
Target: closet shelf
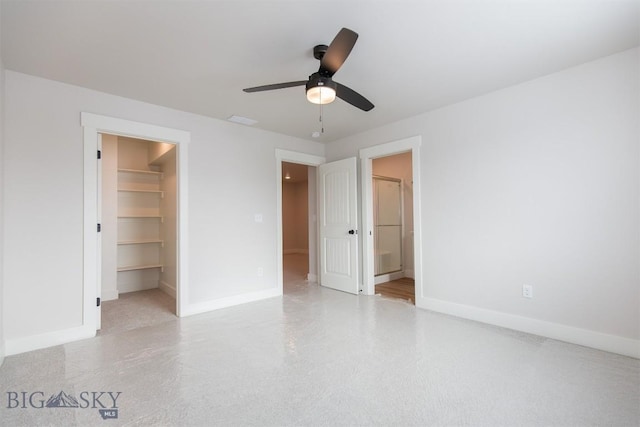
[[139, 267], [125, 190], [140, 242], [141, 172]]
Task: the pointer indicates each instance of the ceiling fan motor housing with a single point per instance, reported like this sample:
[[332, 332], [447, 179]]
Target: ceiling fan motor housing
[[319, 51], [316, 80]]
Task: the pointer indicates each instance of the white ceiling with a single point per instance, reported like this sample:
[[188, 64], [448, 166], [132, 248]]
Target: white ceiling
[[411, 57]]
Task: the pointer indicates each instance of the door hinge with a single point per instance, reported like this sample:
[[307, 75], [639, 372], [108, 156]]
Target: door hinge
[[99, 154], [99, 228], [98, 302]]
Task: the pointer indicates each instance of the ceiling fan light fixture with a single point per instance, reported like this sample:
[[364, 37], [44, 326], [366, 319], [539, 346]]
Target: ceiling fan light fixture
[[321, 90], [321, 95]]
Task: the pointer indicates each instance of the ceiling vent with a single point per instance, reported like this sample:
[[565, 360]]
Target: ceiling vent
[[242, 120]]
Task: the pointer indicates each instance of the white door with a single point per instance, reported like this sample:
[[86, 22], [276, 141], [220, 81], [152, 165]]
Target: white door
[[338, 221]]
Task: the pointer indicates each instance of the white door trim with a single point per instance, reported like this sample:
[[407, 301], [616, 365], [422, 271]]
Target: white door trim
[[411, 144], [93, 124], [291, 157]]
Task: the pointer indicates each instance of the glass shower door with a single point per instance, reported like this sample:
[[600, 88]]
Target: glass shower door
[[387, 217]]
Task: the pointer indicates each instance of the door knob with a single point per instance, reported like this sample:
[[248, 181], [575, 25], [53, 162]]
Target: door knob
[[352, 231]]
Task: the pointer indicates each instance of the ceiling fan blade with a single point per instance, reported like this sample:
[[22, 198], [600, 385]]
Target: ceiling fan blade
[[338, 51], [353, 97], [275, 86]]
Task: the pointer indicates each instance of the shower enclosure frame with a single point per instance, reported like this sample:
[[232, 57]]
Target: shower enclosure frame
[[385, 276]]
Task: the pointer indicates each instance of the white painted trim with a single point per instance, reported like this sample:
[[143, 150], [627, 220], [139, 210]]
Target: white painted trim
[[411, 144], [123, 127], [557, 331], [49, 339], [167, 289], [98, 310], [300, 158], [312, 278], [391, 148], [292, 157], [409, 273], [90, 274], [182, 272], [216, 304], [94, 124], [384, 278]]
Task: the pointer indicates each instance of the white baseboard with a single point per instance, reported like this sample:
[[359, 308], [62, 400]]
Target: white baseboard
[[168, 289], [384, 278], [216, 304], [109, 295], [312, 278], [410, 274], [49, 339], [587, 338], [295, 251]]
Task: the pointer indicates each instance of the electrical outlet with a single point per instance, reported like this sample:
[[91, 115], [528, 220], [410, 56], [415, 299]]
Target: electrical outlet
[[527, 291]]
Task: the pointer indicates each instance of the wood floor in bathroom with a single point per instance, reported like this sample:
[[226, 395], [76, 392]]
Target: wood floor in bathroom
[[404, 288]]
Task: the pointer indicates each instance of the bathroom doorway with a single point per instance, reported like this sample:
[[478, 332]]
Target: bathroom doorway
[[392, 188]]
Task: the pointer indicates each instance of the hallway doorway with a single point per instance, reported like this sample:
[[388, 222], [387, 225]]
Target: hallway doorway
[[304, 264], [298, 223]]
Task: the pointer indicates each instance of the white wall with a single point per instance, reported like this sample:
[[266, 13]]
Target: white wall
[[44, 201], [2, 180], [534, 184]]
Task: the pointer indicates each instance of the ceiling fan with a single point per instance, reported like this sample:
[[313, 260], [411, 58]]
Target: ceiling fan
[[321, 89]]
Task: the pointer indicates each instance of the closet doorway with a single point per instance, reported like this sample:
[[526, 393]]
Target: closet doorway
[[138, 207]]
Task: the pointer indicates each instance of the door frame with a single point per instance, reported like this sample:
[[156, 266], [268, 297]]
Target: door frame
[[411, 144], [290, 157], [94, 124]]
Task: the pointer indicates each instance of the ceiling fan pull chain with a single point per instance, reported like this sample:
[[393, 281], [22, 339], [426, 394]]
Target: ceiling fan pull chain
[[321, 120]]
